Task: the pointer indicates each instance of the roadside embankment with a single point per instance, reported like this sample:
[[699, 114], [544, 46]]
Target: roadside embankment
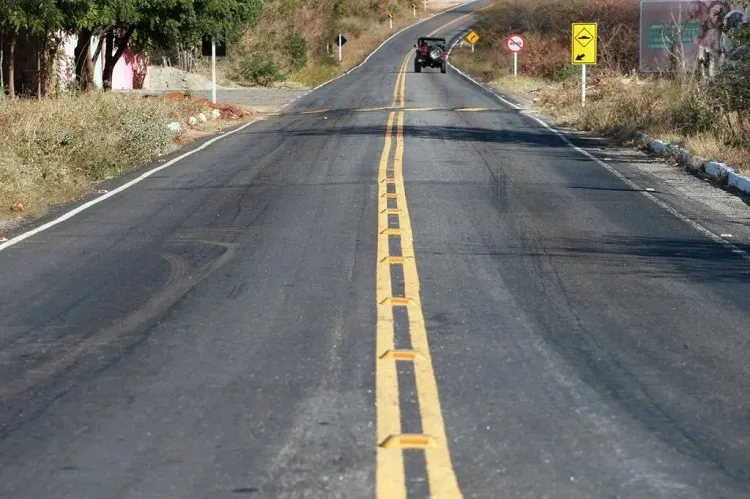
[[706, 119], [56, 150], [296, 43]]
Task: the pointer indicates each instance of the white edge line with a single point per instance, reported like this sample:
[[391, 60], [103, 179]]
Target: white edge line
[[669, 209], [89, 204], [70, 214]]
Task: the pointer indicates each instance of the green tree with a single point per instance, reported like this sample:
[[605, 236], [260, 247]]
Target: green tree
[[730, 90], [225, 20], [33, 17], [151, 24]]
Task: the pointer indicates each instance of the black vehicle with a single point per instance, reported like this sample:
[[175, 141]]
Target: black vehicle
[[431, 53]]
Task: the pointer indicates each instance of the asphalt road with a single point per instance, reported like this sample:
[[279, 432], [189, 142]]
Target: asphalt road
[[365, 301]]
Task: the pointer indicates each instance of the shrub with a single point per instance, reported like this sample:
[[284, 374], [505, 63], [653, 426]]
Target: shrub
[[52, 148], [731, 89], [256, 70], [296, 48]]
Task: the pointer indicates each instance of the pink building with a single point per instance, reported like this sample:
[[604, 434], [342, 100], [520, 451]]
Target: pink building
[[130, 71]]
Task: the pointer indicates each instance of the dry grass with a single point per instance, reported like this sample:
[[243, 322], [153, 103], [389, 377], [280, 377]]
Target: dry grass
[[618, 103], [52, 151], [618, 106]]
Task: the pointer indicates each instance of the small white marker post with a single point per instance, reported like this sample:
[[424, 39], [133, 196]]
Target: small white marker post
[[583, 84], [390, 22], [340, 44], [515, 64], [414, 11], [213, 70]]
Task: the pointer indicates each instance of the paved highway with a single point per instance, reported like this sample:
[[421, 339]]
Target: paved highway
[[400, 287]]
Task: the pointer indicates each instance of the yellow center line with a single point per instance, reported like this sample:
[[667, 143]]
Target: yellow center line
[[441, 476], [433, 441], [399, 90], [390, 461]]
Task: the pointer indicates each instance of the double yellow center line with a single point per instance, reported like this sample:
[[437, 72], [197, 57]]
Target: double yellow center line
[[394, 222], [392, 205]]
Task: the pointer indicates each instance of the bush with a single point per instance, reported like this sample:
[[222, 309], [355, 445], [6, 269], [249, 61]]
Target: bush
[[315, 74], [731, 89], [296, 48], [256, 70], [51, 149]]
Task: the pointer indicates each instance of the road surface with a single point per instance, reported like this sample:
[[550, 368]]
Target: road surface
[[400, 287]]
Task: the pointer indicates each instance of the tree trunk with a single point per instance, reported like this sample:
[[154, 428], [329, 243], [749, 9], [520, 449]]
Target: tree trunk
[[12, 65], [2, 61], [110, 59], [109, 65], [38, 73], [84, 65], [51, 66]]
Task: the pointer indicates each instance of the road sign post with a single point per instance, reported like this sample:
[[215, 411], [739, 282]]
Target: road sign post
[[414, 10], [583, 50], [340, 41], [583, 84], [390, 20], [515, 44], [213, 70], [472, 37]]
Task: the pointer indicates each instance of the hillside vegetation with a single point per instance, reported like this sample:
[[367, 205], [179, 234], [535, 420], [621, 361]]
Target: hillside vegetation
[[709, 116], [294, 39]]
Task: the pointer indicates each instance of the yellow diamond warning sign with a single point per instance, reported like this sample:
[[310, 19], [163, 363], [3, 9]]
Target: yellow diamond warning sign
[[583, 46], [472, 37]]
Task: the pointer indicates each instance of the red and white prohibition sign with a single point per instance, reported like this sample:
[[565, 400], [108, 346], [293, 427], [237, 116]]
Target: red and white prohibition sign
[[514, 43]]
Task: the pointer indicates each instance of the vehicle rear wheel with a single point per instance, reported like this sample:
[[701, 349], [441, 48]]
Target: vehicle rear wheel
[[443, 67], [417, 67]]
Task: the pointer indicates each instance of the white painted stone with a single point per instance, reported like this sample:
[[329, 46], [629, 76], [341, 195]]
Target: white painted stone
[[658, 146], [739, 182]]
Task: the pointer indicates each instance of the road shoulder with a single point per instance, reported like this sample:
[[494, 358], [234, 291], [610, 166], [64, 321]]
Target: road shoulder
[[724, 213]]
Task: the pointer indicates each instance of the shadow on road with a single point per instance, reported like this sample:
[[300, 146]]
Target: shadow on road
[[431, 132], [695, 259]]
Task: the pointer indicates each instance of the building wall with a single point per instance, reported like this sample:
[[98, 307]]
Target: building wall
[[122, 77], [26, 65]]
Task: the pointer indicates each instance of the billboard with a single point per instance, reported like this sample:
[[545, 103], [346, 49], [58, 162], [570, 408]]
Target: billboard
[[689, 26]]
